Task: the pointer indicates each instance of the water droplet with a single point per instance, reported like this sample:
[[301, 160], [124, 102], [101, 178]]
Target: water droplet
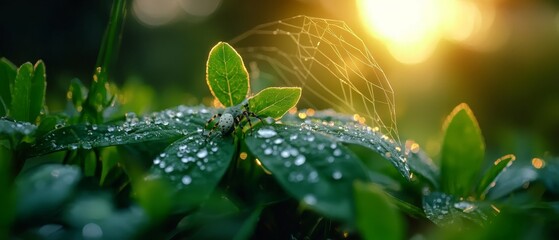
[[92, 230], [309, 199], [313, 177], [337, 152], [111, 129], [278, 141], [337, 175], [156, 161], [266, 133], [299, 160], [186, 180], [284, 154], [268, 151], [330, 159], [202, 153], [169, 169], [333, 146], [182, 148], [293, 137]]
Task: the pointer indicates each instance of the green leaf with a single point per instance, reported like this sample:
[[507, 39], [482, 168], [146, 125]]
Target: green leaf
[[8, 73], [444, 210], [512, 179], [493, 172], [462, 152], [247, 228], [194, 166], [7, 201], [77, 93], [16, 129], [376, 217], [43, 189], [37, 90], [313, 167], [28, 93], [274, 102], [166, 125], [345, 130], [21, 99], [226, 75]]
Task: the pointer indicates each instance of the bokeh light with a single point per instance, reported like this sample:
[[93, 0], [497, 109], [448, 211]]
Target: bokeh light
[[411, 29]]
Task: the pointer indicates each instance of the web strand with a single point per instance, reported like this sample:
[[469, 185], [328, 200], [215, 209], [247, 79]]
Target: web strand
[[328, 60]]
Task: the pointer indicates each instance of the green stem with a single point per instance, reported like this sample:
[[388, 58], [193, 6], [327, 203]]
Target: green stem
[[97, 98]]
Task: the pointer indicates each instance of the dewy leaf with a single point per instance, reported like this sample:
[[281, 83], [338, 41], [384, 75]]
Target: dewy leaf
[[493, 172], [376, 217], [462, 152], [274, 102], [445, 210], [313, 167], [512, 179], [16, 128], [348, 131], [194, 165], [42, 190], [226, 75], [7, 76], [160, 126], [21, 90]]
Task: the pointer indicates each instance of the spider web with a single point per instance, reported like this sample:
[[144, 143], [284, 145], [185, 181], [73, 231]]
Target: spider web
[[328, 60]]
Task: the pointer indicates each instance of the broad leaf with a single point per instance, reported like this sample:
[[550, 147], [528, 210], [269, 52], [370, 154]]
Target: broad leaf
[[462, 152], [160, 126], [37, 90], [28, 94], [226, 75], [274, 102], [313, 167], [7, 76], [77, 94], [21, 93], [43, 189], [194, 165], [445, 210], [348, 131], [493, 172], [510, 180], [376, 217]]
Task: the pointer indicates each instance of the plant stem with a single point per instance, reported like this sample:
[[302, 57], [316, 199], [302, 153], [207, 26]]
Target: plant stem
[[98, 98]]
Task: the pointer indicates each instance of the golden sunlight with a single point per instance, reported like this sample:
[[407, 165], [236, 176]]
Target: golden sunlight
[[411, 29]]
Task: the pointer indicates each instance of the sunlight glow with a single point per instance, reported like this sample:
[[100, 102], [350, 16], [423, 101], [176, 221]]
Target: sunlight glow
[[411, 29]]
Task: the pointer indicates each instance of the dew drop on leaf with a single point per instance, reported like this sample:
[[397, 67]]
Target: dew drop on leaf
[[310, 199], [266, 133], [337, 175], [300, 160], [202, 153], [268, 151], [186, 179]]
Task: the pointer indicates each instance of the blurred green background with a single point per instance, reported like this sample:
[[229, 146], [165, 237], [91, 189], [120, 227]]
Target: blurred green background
[[499, 56]]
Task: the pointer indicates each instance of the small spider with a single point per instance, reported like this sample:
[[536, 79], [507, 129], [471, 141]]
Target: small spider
[[231, 118]]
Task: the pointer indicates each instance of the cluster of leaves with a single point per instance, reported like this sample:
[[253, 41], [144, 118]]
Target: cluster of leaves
[[315, 175]]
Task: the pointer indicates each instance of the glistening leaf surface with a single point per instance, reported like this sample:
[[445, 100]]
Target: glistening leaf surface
[[160, 126], [445, 210], [345, 130], [274, 102], [462, 152], [226, 75], [194, 166], [313, 167], [493, 172]]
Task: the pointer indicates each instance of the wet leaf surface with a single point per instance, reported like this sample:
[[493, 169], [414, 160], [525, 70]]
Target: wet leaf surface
[[446, 210], [313, 167]]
